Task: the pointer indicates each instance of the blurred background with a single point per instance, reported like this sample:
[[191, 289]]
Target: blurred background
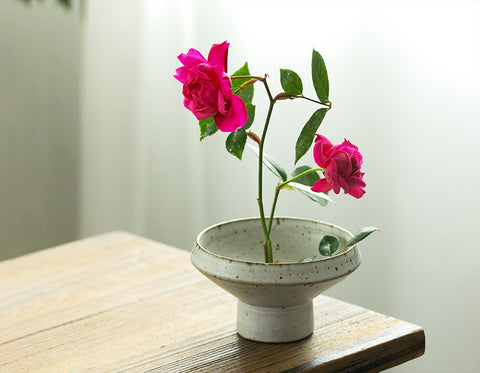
[[94, 137]]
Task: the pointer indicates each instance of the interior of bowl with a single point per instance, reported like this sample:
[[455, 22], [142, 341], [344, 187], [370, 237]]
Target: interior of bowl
[[292, 239]]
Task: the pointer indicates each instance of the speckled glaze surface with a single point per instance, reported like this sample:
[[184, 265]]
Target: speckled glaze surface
[[274, 299]]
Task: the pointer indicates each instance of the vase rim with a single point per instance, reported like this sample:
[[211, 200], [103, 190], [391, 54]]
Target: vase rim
[[279, 264]]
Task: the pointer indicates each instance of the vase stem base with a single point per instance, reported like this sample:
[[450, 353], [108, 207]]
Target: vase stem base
[[275, 324]]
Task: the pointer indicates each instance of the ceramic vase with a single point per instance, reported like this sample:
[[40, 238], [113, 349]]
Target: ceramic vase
[[275, 300]]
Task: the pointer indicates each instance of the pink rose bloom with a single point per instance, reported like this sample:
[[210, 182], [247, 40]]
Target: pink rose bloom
[[342, 164], [207, 89]]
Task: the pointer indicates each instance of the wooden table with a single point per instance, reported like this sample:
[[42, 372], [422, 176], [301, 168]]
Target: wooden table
[[118, 302]]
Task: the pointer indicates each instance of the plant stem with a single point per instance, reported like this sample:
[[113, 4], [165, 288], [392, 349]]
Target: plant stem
[[277, 192], [246, 77], [329, 104], [287, 96], [272, 211], [268, 242], [281, 185]]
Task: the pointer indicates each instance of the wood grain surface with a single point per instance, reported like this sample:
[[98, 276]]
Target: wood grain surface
[[118, 302]]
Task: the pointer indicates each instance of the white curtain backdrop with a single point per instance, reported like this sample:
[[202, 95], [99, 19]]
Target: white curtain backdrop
[[40, 50], [404, 80]]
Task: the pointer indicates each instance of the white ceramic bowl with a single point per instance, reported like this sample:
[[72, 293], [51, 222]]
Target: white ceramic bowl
[[274, 299]]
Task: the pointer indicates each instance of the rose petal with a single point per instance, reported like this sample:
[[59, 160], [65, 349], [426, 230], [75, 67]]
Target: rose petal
[[321, 185], [356, 191], [193, 57], [234, 118], [238, 106], [218, 55], [181, 74], [323, 140], [224, 95], [343, 184], [342, 162], [321, 150]]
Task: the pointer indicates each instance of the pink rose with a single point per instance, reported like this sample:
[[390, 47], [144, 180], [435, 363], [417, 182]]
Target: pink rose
[[207, 89], [342, 164]]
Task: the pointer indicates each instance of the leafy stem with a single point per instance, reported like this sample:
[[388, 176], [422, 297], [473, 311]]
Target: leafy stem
[[292, 89], [328, 104], [251, 80], [267, 230], [279, 187], [287, 96], [268, 241], [247, 77]]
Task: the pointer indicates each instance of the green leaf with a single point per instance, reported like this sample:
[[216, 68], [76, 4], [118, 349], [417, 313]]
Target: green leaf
[[251, 116], [207, 127], [307, 259], [320, 77], [271, 164], [320, 198], [307, 135], [236, 141], [245, 93], [308, 179], [291, 82], [328, 245], [360, 235]]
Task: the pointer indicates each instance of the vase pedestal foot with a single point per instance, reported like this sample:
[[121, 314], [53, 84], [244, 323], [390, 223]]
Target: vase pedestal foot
[[275, 324]]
